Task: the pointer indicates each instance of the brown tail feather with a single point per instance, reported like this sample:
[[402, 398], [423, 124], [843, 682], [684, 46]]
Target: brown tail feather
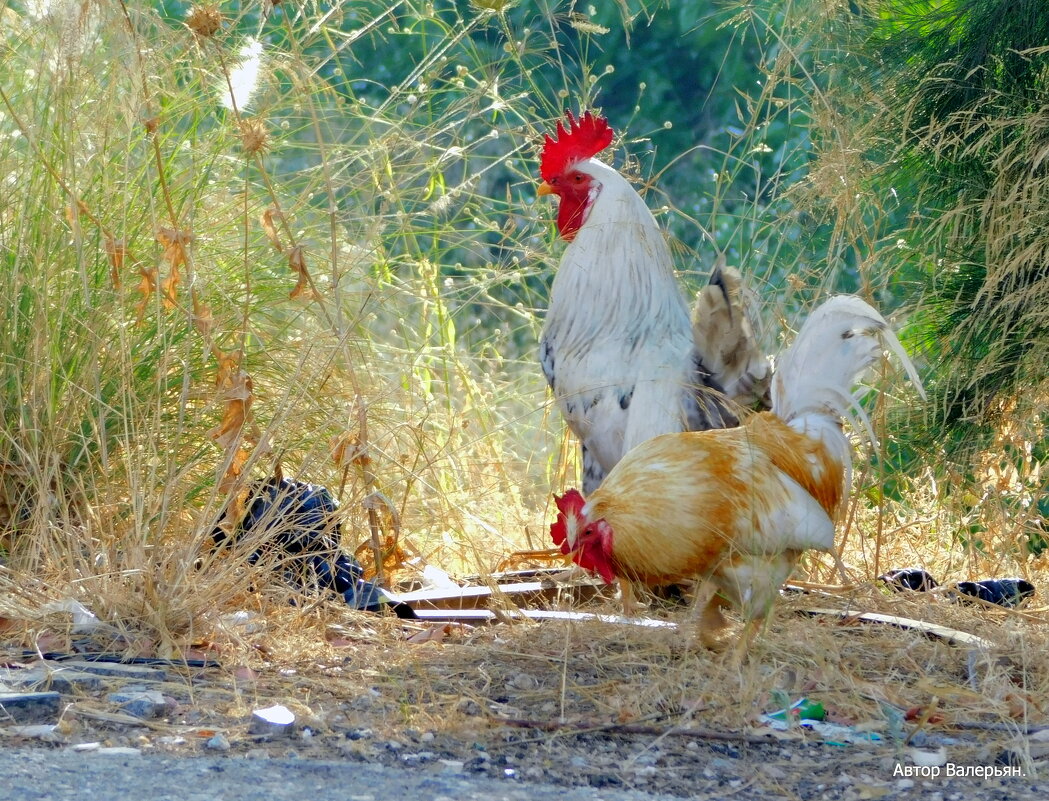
[[724, 337]]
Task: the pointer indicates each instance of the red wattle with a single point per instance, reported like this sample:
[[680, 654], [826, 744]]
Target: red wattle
[[570, 216]]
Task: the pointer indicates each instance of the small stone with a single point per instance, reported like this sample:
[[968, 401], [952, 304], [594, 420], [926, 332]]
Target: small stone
[[920, 739], [369, 699], [219, 742], [145, 705], [523, 681], [419, 758], [30, 707], [468, 706], [45, 732], [427, 737]]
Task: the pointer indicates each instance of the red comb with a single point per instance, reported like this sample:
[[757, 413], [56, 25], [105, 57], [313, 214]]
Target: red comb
[[570, 508], [584, 138], [571, 503]]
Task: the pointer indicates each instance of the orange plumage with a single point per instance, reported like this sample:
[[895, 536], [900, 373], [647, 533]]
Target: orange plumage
[[738, 506]]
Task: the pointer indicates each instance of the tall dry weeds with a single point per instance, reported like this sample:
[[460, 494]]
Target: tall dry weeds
[[228, 249]]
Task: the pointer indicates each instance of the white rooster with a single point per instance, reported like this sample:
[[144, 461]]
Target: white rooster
[[618, 348]]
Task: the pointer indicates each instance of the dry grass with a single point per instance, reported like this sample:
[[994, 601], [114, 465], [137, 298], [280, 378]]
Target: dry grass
[[230, 261], [401, 229]]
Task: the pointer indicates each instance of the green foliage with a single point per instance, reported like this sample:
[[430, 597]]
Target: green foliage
[[968, 148], [925, 186], [921, 182]]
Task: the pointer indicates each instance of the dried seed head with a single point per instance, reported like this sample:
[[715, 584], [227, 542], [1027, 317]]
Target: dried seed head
[[254, 137], [497, 6], [204, 20], [116, 249]]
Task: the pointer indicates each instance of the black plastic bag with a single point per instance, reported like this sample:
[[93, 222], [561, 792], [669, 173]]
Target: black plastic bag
[[301, 517]]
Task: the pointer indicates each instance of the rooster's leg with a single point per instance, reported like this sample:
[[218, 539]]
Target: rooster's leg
[[710, 623], [629, 598], [746, 638]]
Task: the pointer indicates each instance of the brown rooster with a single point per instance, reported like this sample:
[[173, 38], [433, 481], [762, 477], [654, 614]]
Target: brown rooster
[[736, 507]]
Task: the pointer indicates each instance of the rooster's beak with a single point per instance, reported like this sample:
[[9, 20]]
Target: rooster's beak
[[544, 189]]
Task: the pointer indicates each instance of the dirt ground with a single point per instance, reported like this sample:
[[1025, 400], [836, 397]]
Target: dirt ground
[[605, 705]]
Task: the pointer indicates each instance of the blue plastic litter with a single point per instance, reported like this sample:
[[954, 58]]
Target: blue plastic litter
[[301, 519], [909, 578], [1009, 592]]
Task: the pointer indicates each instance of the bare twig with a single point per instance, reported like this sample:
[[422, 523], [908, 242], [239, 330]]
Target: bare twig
[[582, 727]]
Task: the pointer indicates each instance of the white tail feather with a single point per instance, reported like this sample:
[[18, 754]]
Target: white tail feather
[[839, 341]]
